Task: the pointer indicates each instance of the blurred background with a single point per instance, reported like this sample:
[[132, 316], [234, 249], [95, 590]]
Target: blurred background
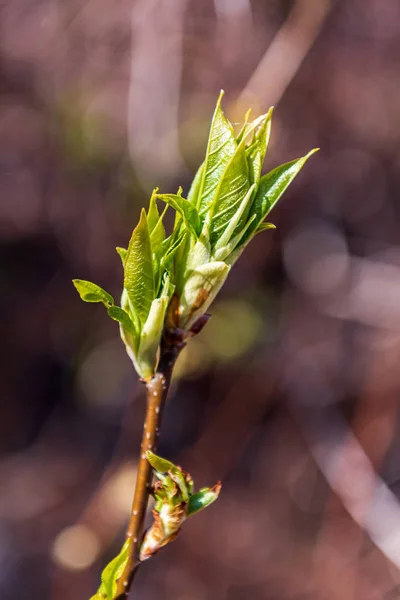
[[290, 394]]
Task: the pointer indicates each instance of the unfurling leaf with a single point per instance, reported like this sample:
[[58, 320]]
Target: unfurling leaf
[[175, 501], [118, 314], [201, 287], [256, 150], [231, 190], [122, 254], [139, 279], [187, 211], [220, 149], [150, 338], [90, 292], [272, 186], [202, 499], [159, 464], [111, 574], [226, 206]]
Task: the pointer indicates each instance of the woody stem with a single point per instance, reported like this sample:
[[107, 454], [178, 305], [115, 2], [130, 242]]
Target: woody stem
[[157, 391]]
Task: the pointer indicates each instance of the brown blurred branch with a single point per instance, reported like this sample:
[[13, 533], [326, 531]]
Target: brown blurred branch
[[286, 52]]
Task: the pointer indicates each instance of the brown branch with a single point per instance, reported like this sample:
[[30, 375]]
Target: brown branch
[[157, 390]]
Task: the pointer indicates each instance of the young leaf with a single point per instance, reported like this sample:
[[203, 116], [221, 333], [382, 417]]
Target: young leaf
[[220, 149], [159, 464], [178, 476], [258, 147], [118, 314], [157, 238], [150, 337], [202, 499], [245, 128], [153, 214], [272, 186], [90, 292], [200, 289], [224, 252], [162, 466], [264, 227], [187, 211], [139, 278], [111, 574], [122, 254], [231, 190], [193, 194], [236, 219]]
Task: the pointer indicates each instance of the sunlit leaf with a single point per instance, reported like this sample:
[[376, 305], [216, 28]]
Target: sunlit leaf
[[202, 499], [139, 278], [256, 150], [90, 292], [153, 214], [236, 219], [187, 211], [150, 337], [122, 254], [244, 130], [222, 253], [272, 186], [157, 238], [159, 464], [200, 289], [264, 227], [111, 574], [231, 190], [118, 314], [195, 187], [220, 149]]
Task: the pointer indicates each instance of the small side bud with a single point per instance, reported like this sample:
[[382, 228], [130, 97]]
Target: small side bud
[[175, 502]]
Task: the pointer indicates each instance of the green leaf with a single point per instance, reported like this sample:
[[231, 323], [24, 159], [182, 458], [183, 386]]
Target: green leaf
[[220, 149], [224, 252], [272, 186], [245, 128], [111, 574], [177, 475], [194, 190], [153, 214], [150, 337], [236, 219], [122, 254], [157, 238], [139, 278], [159, 464], [231, 190], [202, 499], [200, 289], [187, 211], [165, 466], [90, 292], [256, 150], [264, 227], [118, 314]]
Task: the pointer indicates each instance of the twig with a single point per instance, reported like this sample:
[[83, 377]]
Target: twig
[[157, 391], [286, 52]]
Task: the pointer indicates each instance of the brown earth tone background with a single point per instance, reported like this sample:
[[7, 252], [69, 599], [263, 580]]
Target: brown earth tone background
[[290, 394]]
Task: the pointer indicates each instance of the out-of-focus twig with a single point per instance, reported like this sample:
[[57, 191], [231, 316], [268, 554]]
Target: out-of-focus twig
[[285, 54], [154, 88]]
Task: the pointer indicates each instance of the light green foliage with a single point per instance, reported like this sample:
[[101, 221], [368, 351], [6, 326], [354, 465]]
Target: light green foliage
[[90, 292], [174, 503], [226, 207], [111, 573]]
